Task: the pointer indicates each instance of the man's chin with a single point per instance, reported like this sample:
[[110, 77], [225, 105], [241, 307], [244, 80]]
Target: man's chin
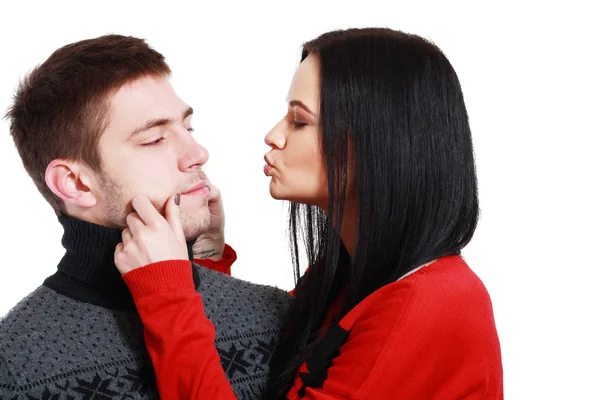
[[191, 235], [196, 224]]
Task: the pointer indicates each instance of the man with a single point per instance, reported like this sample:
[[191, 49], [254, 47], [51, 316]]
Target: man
[[96, 125]]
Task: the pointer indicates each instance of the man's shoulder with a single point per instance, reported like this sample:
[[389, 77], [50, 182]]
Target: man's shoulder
[[46, 315], [50, 341], [221, 286], [241, 299], [46, 310], [24, 308]]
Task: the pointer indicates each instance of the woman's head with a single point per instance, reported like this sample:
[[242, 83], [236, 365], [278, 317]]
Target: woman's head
[[390, 137], [378, 116], [295, 163]]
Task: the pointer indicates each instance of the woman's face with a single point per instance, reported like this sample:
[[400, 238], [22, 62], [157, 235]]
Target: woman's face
[[295, 163]]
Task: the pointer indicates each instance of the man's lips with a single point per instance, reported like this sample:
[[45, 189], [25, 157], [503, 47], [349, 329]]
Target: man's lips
[[200, 187]]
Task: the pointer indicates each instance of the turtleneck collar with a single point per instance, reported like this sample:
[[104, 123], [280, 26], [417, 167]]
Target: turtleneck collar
[[87, 271]]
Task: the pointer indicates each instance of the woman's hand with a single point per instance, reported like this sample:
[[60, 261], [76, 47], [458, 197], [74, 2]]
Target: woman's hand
[[212, 242], [149, 237]]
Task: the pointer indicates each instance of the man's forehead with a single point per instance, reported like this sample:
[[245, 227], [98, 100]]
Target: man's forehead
[[147, 97], [138, 103]]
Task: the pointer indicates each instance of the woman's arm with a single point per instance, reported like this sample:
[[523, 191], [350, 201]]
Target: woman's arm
[[222, 265], [434, 339], [179, 337], [401, 343]]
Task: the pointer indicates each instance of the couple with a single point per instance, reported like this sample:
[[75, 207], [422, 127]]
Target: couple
[[375, 156]]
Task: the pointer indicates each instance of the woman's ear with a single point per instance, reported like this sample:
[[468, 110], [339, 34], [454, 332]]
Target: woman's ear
[[70, 181]]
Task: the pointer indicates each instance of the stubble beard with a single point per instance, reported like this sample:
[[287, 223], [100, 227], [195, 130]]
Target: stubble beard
[[118, 205]]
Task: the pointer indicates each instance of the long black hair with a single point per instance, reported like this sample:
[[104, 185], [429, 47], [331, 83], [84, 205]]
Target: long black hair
[[395, 136]]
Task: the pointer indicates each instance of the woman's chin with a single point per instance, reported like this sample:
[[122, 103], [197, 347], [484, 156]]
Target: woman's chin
[[279, 193], [276, 192]]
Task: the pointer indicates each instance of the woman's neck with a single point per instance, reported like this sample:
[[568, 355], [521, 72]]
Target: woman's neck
[[348, 229]]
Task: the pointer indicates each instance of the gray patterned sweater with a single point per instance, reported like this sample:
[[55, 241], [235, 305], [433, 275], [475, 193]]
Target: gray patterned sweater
[[78, 336]]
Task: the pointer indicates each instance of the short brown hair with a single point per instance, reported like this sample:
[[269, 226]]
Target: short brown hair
[[60, 108]]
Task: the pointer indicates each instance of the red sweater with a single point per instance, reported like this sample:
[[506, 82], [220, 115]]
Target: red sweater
[[429, 335]]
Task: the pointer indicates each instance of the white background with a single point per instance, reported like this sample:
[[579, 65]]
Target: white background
[[530, 75]]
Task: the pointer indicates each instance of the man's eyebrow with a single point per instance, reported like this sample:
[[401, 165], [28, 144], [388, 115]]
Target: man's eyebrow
[[301, 105], [153, 123]]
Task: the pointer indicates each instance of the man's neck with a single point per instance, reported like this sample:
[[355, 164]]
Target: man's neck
[[87, 271]]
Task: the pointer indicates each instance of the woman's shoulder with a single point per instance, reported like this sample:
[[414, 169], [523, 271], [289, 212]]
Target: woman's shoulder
[[410, 333], [447, 290], [447, 281]]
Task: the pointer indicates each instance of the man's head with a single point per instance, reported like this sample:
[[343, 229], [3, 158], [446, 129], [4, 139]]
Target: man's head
[[98, 123]]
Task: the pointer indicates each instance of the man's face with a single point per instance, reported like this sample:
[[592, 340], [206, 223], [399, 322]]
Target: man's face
[[148, 149]]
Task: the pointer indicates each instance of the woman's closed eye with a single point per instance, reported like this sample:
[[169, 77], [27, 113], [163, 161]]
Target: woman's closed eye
[[298, 124]]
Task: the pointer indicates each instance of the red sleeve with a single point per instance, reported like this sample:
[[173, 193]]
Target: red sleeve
[[178, 335], [405, 341], [223, 265]]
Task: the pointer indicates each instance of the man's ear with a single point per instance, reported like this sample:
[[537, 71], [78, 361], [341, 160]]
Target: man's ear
[[71, 181]]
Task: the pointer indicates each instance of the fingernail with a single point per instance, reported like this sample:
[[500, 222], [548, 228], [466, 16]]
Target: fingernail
[[177, 199]]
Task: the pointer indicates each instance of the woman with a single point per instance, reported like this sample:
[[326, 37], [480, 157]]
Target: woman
[[375, 155]]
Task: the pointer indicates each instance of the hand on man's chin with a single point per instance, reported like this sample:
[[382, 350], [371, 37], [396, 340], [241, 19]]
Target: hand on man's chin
[[211, 242]]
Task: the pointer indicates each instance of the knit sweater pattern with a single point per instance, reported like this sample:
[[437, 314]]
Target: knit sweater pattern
[[78, 336]]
